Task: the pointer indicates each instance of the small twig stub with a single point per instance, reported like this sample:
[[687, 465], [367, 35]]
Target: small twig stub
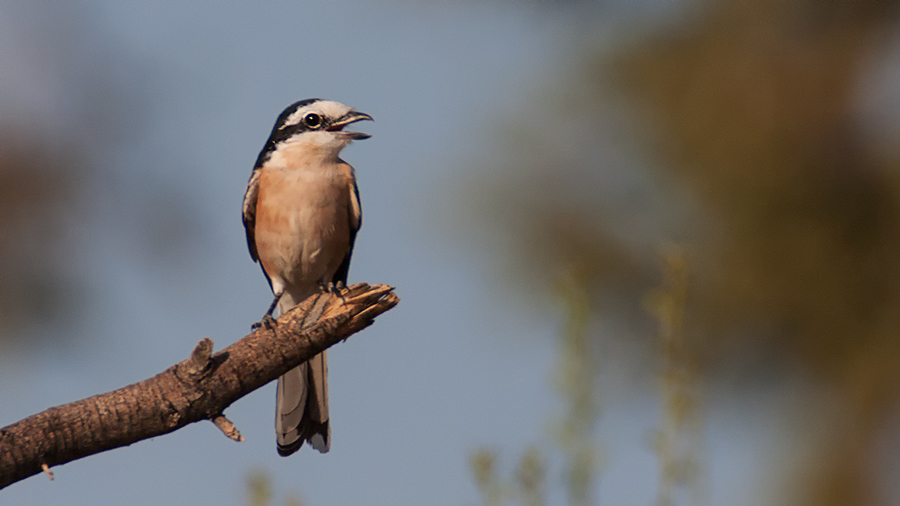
[[227, 428]]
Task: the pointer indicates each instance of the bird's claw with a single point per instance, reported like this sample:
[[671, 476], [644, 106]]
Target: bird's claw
[[267, 321], [334, 289]]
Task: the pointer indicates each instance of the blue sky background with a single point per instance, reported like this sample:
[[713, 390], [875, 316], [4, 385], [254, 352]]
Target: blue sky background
[[462, 362]]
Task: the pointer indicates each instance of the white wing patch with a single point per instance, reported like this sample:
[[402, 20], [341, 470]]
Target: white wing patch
[[250, 195]]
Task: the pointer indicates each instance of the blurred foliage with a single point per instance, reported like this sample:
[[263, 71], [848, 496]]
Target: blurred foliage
[[483, 464], [577, 376], [46, 163], [68, 104], [530, 479], [36, 197], [260, 493], [259, 489], [750, 150], [679, 439], [526, 487], [755, 109]]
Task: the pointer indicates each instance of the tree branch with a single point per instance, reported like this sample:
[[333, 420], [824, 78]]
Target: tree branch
[[199, 388]]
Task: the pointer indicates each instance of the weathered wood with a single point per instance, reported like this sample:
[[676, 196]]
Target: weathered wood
[[199, 388]]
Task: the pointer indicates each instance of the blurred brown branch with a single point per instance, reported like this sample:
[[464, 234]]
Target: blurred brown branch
[[199, 388]]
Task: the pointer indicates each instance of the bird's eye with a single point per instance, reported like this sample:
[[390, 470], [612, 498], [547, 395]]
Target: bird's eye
[[312, 120]]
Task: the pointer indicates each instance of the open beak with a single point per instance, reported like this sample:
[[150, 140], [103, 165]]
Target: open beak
[[350, 117]]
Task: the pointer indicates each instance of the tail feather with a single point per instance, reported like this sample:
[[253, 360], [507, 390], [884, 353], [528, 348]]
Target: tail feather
[[301, 406]]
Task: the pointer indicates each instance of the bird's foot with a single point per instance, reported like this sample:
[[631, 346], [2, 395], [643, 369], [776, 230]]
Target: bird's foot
[[267, 321], [341, 289], [334, 289]]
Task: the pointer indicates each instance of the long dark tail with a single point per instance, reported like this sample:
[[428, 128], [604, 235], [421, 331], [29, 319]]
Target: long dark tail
[[301, 404]]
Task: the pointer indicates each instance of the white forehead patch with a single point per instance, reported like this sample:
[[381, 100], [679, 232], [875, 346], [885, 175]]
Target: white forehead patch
[[327, 108]]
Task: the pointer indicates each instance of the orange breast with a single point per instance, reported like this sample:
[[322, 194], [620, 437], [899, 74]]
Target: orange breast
[[302, 224]]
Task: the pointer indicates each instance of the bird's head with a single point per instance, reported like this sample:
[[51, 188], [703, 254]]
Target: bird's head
[[317, 123]]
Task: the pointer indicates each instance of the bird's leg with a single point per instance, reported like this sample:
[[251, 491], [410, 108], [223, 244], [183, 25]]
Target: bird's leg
[[267, 319]]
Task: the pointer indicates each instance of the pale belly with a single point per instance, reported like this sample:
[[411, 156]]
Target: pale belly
[[302, 228]]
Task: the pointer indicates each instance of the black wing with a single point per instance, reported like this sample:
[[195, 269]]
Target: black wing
[[355, 214], [249, 212]]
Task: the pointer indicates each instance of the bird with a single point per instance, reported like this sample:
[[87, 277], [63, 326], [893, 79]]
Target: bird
[[301, 214]]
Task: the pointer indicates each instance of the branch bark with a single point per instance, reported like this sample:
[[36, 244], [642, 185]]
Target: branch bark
[[199, 388]]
